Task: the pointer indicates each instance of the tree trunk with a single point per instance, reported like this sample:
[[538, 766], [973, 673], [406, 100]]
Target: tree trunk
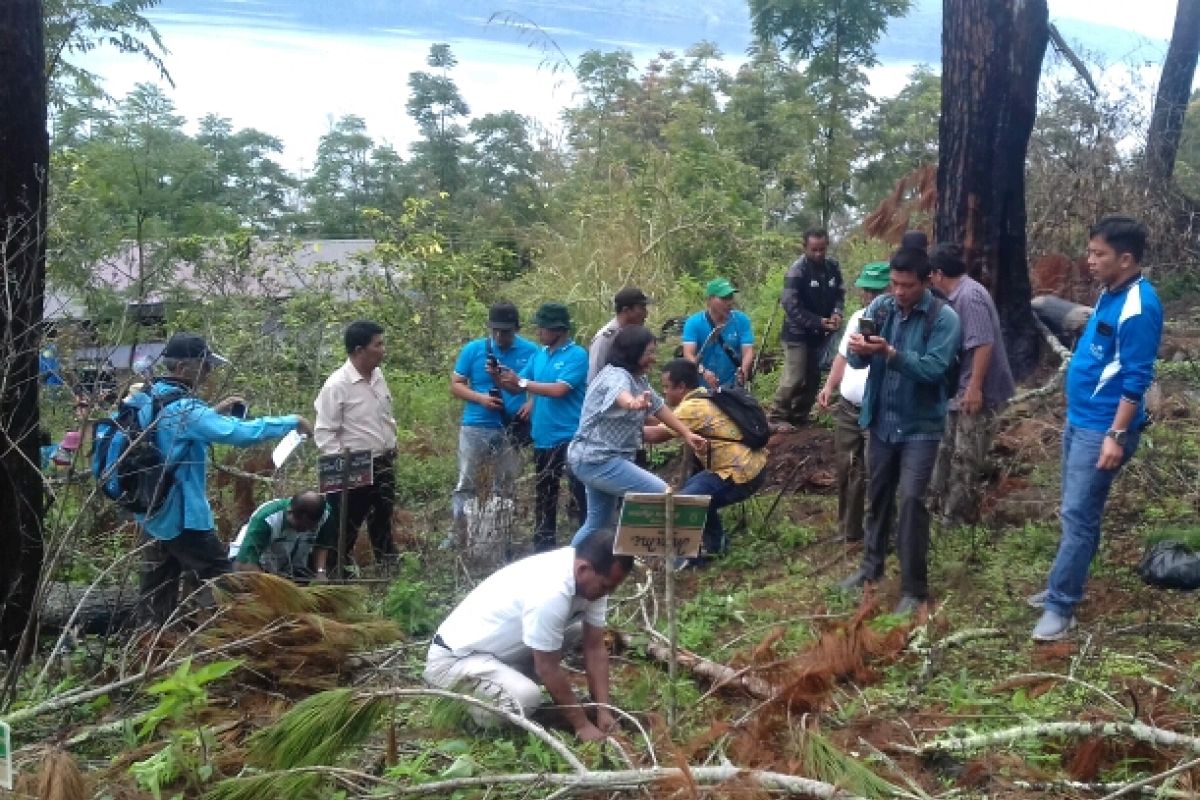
[[1174, 88], [991, 61], [24, 158]]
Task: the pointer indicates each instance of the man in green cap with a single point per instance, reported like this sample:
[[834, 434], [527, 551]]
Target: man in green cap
[[849, 440], [719, 338], [555, 380]]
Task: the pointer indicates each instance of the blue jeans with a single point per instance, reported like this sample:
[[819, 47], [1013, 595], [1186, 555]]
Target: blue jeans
[[607, 482], [723, 493], [1084, 493], [488, 464]]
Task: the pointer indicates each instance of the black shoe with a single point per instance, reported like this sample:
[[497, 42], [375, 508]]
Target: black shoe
[[856, 580]]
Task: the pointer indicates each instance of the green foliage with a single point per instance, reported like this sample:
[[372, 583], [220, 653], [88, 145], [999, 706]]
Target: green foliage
[[407, 599], [183, 693], [292, 785], [317, 730], [823, 761]]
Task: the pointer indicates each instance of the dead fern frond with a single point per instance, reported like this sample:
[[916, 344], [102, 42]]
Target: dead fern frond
[[60, 778], [317, 730]]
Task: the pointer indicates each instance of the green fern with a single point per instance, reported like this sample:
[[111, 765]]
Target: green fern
[[292, 785], [317, 730], [823, 761]]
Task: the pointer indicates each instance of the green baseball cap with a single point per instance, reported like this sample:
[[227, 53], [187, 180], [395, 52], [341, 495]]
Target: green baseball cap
[[552, 316], [875, 276], [720, 287]]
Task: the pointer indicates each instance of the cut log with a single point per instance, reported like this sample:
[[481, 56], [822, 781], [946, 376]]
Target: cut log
[[105, 609], [1064, 318], [718, 674]]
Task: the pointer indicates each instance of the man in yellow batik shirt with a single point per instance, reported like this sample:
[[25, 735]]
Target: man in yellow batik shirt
[[733, 472]]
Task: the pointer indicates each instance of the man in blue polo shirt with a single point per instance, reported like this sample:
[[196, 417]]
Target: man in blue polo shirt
[[555, 380], [719, 338], [491, 420], [1109, 373]]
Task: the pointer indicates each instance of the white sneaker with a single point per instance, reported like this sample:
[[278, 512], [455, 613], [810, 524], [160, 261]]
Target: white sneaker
[[1053, 627]]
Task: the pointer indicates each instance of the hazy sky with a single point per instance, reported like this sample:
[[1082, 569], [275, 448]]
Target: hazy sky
[[288, 67]]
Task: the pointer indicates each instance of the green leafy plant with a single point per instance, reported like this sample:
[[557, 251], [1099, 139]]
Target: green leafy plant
[[407, 599]]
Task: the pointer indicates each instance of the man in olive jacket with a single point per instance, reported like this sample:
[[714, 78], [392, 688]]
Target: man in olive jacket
[[904, 408]]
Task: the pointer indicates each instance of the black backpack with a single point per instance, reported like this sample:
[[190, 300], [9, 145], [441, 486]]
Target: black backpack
[[126, 460], [746, 412], [954, 368]]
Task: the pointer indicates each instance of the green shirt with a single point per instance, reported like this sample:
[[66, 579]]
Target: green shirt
[[269, 540]]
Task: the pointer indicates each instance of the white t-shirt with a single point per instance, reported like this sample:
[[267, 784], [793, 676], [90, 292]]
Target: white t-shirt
[[854, 381], [526, 605]]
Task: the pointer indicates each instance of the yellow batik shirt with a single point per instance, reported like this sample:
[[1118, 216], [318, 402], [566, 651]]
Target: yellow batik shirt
[[730, 460]]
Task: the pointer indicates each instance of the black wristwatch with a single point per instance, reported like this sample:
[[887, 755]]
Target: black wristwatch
[[1117, 436]]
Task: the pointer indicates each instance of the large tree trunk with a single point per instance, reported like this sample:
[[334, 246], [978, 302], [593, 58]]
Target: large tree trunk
[[24, 159], [991, 61], [1174, 88]]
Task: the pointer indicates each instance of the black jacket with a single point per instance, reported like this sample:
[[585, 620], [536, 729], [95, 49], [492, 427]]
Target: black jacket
[[810, 294]]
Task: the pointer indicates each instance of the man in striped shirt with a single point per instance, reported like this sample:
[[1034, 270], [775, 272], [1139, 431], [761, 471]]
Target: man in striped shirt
[[985, 385]]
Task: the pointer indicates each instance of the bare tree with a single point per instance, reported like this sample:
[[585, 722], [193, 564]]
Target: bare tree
[[1174, 88], [24, 157], [991, 60]]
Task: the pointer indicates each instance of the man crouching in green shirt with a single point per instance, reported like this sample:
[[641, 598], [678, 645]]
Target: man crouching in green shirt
[[279, 536]]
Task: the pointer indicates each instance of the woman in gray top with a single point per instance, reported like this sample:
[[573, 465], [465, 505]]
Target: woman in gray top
[[617, 403]]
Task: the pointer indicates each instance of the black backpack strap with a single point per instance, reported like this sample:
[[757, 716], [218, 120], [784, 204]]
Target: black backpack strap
[[725, 346]]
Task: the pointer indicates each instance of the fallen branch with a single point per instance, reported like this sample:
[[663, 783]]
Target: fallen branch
[[1078, 787], [1051, 385], [1145, 783], [1134, 730], [589, 781], [718, 674], [1058, 676]]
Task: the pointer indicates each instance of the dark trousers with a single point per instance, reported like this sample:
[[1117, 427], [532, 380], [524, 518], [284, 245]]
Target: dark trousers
[[372, 504], [199, 553], [723, 492], [902, 468], [550, 464]]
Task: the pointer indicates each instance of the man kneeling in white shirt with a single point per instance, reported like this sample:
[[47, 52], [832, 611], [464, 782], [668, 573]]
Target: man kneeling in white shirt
[[509, 634]]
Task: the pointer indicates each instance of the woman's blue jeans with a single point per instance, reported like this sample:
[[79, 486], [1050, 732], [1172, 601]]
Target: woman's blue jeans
[[606, 483]]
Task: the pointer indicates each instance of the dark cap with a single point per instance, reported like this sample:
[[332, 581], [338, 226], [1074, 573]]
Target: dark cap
[[503, 316], [552, 316], [914, 240], [192, 345], [629, 297]]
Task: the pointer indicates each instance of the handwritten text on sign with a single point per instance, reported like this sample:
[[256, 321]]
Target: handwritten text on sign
[[643, 527], [330, 468]]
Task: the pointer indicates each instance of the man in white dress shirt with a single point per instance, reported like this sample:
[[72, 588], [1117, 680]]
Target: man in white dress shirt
[[354, 411]]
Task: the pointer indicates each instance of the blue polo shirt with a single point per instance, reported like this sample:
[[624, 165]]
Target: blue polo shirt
[[555, 419], [736, 333], [472, 365], [1114, 359]]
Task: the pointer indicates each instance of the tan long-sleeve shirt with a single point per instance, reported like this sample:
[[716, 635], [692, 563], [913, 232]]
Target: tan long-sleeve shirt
[[354, 412]]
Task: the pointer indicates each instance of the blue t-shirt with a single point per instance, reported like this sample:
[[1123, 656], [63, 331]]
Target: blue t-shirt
[[1115, 356], [472, 365], [555, 419], [736, 333]]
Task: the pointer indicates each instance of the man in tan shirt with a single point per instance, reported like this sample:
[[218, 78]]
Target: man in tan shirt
[[354, 411]]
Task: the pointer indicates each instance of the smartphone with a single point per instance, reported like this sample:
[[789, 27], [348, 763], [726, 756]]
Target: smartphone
[[866, 327], [493, 363], [238, 410]]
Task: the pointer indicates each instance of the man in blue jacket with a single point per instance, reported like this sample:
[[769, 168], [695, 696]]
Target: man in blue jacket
[[915, 341], [1109, 373], [180, 532]]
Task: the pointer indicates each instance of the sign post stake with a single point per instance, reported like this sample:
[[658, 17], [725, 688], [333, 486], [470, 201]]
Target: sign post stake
[[672, 620], [343, 512]]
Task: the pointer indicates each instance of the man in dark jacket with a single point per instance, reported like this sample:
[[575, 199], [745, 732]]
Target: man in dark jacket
[[914, 340], [813, 299]]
